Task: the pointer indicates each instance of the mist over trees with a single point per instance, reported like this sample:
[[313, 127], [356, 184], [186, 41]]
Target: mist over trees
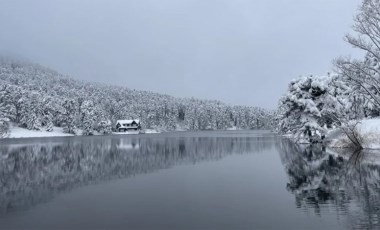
[[38, 98]]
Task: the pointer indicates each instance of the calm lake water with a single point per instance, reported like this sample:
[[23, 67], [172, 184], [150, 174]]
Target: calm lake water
[[186, 180]]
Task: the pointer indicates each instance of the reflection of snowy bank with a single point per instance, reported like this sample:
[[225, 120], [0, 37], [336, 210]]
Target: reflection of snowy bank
[[323, 179], [365, 156]]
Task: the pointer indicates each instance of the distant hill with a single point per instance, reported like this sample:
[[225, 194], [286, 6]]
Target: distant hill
[[36, 97]]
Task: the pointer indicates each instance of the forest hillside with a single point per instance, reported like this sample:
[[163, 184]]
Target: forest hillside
[[37, 98]]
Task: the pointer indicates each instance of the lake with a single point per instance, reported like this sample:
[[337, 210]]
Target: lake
[[185, 180]]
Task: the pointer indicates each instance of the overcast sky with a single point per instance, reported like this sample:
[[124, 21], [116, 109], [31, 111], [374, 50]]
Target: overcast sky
[[238, 51]]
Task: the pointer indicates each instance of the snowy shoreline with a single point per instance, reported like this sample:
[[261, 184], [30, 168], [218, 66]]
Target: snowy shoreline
[[17, 132], [21, 133], [368, 131]]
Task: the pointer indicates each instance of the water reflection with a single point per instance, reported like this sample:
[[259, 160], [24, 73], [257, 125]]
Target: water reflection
[[34, 172], [346, 183]]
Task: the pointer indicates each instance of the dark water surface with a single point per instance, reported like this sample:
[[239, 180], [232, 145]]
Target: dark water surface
[[204, 180]]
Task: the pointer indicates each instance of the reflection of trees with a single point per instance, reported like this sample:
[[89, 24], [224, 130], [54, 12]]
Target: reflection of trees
[[33, 173], [347, 182]]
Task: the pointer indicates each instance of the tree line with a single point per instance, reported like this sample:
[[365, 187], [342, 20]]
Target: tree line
[[37, 98]]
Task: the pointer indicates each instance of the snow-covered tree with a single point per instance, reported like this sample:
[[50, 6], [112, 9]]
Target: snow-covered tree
[[311, 105], [31, 111], [6, 111], [104, 127], [68, 116], [364, 75], [37, 98], [88, 117]]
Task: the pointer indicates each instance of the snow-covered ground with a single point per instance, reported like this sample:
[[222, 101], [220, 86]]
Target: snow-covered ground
[[149, 131], [234, 128], [145, 131], [368, 131], [17, 132]]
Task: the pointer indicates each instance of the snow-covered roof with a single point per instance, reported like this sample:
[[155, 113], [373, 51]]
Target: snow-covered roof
[[127, 121]]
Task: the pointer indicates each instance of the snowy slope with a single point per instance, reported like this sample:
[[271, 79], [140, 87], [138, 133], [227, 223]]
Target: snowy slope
[[17, 132]]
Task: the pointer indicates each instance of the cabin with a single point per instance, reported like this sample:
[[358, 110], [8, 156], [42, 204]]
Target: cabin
[[125, 125]]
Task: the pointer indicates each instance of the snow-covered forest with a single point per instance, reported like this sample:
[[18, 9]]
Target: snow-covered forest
[[315, 105], [38, 98]]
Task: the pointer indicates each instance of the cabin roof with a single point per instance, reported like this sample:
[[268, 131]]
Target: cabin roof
[[127, 121]]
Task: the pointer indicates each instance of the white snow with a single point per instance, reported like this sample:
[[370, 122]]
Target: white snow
[[17, 132], [126, 133], [146, 131], [151, 131], [127, 121], [368, 130], [233, 128]]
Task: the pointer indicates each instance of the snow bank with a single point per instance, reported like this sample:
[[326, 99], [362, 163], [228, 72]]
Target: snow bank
[[368, 130], [150, 131], [233, 128], [17, 132], [146, 131]]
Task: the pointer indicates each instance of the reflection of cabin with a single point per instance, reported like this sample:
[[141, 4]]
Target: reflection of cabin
[[128, 144], [125, 125]]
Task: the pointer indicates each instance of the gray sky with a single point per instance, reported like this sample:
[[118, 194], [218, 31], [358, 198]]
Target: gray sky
[[238, 51]]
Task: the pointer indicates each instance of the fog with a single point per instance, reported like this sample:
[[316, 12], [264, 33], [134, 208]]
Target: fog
[[238, 51]]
